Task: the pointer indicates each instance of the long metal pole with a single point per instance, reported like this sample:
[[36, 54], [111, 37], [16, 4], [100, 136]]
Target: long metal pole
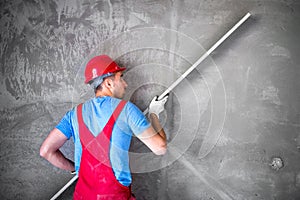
[[187, 72], [205, 55], [64, 188]]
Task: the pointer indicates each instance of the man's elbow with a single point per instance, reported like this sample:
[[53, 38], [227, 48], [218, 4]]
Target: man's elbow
[[44, 151]]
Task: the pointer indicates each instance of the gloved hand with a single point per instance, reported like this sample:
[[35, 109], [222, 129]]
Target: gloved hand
[[157, 106]]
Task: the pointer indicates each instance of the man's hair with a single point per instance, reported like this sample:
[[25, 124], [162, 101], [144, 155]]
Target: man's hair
[[99, 87]]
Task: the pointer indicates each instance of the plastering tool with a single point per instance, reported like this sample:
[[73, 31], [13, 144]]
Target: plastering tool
[[64, 188], [204, 56], [171, 87]]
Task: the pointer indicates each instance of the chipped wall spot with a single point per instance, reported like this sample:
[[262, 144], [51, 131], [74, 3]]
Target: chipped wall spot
[[271, 94], [280, 51]]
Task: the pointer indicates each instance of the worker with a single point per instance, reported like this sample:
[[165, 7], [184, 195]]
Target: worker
[[102, 129]]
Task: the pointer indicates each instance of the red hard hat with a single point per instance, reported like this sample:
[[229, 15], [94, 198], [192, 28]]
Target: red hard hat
[[100, 65]]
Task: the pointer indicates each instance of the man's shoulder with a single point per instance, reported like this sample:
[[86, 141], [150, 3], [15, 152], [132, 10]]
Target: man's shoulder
[[110, 101], [132, 108]]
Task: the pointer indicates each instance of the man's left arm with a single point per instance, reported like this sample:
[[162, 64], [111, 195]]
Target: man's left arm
[[50, 150]]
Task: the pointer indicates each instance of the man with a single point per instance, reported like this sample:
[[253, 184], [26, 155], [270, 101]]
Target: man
[[102, 129]]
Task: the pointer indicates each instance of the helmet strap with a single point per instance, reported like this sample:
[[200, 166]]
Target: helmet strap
[[98, 80]]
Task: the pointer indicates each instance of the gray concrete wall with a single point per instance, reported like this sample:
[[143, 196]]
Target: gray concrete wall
[[225, 122]]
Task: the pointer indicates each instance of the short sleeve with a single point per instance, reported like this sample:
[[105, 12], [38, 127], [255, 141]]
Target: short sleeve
[[65, 125], [136, 119]]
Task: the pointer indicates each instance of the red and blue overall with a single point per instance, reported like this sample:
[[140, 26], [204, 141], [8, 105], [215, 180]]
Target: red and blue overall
[[96, 177]]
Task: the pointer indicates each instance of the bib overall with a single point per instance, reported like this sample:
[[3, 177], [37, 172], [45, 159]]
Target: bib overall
[[96, 177]]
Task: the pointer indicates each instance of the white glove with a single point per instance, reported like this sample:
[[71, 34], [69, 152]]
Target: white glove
[[157, 106]]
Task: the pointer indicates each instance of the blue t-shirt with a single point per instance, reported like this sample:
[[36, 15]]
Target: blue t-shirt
[[96, 113]]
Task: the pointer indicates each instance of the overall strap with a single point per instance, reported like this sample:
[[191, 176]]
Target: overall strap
[[112, 119], [86, 137], [84, 133]]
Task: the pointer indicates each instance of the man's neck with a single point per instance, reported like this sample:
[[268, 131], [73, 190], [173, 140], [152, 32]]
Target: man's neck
[[103, 93]]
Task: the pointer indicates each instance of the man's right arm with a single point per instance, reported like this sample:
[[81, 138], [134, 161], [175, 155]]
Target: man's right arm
[[154, 137]]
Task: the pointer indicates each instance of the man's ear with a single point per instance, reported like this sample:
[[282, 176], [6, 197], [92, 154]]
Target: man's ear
[[108, 82]]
